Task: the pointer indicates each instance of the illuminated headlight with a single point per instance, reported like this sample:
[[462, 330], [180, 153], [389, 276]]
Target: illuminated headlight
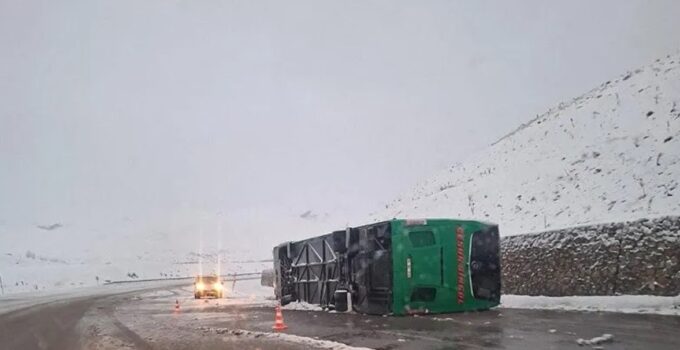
[[200, 286], [217, 286]]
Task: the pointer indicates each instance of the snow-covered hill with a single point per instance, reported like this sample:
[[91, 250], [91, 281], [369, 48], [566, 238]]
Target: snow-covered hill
[[611, 154]]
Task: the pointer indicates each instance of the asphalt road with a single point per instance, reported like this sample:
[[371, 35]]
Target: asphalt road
[[148, 320]]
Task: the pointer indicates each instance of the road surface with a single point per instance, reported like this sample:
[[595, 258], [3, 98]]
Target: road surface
[[148, 319]]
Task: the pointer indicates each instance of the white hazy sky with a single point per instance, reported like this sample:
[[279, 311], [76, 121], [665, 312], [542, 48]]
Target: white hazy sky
[[145, 111]]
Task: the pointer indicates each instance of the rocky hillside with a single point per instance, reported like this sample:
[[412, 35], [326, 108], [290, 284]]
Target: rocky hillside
[[612, 154]]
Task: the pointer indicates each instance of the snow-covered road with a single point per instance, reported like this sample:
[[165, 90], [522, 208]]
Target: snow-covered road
[[147, 319]]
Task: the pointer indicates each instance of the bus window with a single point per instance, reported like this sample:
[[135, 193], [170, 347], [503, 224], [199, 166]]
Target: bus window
[[421, 238]]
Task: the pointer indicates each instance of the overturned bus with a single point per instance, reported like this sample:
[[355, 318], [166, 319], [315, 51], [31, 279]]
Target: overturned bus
[[394, 267]]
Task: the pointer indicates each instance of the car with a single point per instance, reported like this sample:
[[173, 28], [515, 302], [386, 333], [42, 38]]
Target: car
[[208, 286]]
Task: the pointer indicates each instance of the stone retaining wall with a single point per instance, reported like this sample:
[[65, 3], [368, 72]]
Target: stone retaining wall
[[638, 257]]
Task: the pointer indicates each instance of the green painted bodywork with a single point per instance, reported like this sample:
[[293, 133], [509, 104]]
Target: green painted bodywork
[[433, 266]]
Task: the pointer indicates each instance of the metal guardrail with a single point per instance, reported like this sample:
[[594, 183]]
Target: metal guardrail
[[226, 278]]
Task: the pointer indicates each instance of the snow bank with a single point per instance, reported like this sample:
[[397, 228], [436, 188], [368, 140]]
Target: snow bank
[[644, 304], [301, 305], [604, 338], [288, 338]]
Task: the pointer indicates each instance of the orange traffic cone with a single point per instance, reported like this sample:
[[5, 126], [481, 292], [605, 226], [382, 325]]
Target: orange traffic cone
[[176, 305], [278, 320]]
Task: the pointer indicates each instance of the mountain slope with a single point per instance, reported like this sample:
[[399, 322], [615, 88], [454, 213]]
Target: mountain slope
[[610, 154]]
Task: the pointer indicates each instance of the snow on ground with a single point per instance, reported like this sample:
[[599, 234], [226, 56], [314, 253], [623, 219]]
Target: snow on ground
[[17, 301], [638, 304], [604, 338], [251, 289], [22, 273], [74, 251], [251, 293], [612, 154], [247, 292], [307, 342], [301, 305]]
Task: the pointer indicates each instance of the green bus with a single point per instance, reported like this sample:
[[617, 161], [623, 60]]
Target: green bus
[[396, 267]]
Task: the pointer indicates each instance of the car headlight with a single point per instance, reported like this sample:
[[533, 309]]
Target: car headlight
[[200, 286], [217, 286]]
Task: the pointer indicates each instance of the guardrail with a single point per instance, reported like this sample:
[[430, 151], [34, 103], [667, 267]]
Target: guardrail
[[227, 278]]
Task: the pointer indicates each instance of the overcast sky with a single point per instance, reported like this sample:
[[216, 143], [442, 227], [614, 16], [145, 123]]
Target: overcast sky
[[145, 110]]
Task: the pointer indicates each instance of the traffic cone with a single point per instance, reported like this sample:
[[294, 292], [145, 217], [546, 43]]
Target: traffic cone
[[278, 320], [176, 305]]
